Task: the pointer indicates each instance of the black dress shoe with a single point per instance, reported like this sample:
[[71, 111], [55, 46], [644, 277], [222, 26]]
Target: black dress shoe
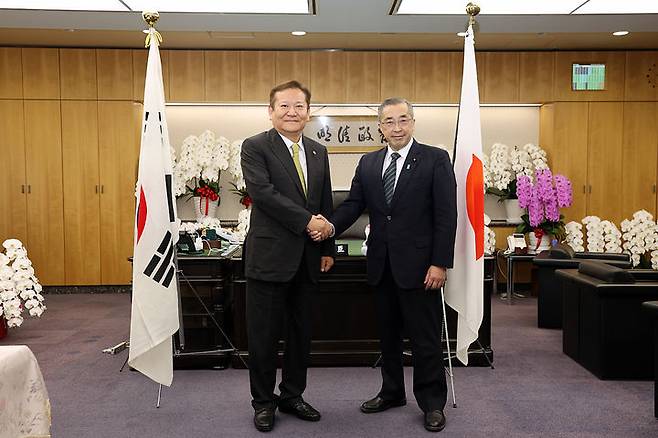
[[264, 419], [300, 409], [378, 404], [435, 421]]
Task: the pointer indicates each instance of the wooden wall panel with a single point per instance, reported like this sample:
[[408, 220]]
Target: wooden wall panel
[[119, 137], [363, 77], [604, 158], [78, 73], [328, 77], [11, 73], [45, 218], [614, 81], [257, 76], [293, 66], [432, 82], [114, 70], [222, 76], [639, 157], [13, 211], [502, 73], [40, 73], [547, 126], [641, 80], [186, 76], [456, 73], [81, 192], [398, 75], [568, 153], [139, 72], [536, 76]]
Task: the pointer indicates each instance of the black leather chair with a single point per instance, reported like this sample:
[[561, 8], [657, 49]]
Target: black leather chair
[[651, 308], [549, 294], [603, 326], [357, 230]]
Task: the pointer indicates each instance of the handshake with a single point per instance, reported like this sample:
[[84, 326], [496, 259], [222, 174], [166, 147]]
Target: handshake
[[319, 228]]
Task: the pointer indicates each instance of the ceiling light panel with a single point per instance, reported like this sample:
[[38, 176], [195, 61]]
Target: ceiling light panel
[[66, 5], [223, 6], [488, 7], [618, 7]]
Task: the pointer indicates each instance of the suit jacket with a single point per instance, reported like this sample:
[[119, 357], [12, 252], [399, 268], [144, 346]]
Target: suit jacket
[[418, 228], [277, 239]]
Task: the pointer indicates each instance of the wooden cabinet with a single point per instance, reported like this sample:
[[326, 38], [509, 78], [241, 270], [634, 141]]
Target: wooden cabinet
[[609, 150], [639, 157], [45, 194], [81, 192], [118, 148], [13, 186]]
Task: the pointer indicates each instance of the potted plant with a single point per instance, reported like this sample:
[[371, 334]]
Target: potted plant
[[543, 200], [502, 169], [198, 169], [19, 287]]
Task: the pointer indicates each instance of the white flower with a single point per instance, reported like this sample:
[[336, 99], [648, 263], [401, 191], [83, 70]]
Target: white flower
[[19, 288]]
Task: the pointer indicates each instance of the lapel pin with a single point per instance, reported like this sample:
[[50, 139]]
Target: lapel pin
[[408, 166], [314, 153]]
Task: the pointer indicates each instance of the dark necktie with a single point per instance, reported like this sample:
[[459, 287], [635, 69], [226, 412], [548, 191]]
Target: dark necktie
[[389, 178]]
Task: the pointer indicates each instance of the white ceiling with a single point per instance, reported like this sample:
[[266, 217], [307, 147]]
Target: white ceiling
[[339, 24]]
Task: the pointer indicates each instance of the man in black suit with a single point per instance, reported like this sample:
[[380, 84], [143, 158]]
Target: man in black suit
[[409, 190], [287, 177]]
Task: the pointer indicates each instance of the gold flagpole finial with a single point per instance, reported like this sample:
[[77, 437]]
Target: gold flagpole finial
[[151, 18], [472, 9]]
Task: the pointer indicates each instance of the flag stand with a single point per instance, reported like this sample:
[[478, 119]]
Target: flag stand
[[445, 326], [232, 348]]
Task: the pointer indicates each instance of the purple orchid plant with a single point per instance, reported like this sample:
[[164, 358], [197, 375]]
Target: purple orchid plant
[[543, 200]]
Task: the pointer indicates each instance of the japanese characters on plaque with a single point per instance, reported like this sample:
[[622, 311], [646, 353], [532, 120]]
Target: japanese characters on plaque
[[346, 134]]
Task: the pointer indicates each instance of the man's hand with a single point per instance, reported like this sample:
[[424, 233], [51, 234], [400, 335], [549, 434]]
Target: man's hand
[[326, 262], [435, 278], [319, 228]]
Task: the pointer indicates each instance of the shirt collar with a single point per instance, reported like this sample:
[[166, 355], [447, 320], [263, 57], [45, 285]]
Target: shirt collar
[[289, 142], [403, 151]]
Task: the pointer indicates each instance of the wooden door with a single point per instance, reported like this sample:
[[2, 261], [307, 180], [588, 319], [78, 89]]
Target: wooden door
[[639, 158], [45, 198], [567, 154], [81, 192], [13, 204], [604, 160], [118, 133]]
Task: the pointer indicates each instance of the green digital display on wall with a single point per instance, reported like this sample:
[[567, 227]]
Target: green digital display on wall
[[588, 77]]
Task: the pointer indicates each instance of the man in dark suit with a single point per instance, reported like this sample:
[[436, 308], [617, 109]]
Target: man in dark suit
[[409, 190], [287, 177]]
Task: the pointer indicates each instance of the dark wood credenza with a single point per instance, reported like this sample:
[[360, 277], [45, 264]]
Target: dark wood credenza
[[344, 323]]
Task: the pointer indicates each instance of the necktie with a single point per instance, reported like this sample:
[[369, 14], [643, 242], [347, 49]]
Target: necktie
[[389, 178], [298, 165]]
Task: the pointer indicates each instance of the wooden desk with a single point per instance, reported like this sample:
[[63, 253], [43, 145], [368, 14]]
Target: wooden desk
[[344, 324]]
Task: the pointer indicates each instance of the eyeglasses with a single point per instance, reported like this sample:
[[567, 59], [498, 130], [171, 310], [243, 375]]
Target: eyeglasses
[[402, 122], [299, 108]]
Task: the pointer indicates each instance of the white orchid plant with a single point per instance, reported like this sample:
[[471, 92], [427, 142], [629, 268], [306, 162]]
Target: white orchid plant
[[641, 239], [19, 287], [574, 236], [504, 165], [198, 167]]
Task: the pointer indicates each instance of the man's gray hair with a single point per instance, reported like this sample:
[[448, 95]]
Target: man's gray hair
[[394, 101]]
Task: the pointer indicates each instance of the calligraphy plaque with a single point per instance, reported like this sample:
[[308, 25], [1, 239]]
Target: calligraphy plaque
[[345, 134]]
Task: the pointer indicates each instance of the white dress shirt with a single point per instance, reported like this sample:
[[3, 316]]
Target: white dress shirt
[[302, 154], [400, 161]]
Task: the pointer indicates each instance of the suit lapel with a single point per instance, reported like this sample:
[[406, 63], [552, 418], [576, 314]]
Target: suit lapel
[[281, 152], [408, 169], [312, 167], [377, 176]]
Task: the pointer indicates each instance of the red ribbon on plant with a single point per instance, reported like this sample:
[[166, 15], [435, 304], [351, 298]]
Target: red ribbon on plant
[[208, 194], [539, 234], [246, 201]]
